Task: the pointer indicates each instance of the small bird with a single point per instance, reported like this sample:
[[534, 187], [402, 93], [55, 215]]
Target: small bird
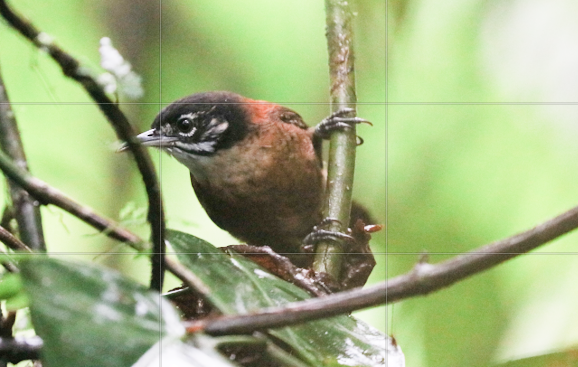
[[255, 166]]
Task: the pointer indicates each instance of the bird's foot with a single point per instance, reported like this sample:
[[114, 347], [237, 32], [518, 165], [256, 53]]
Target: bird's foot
[[319, 234], [339, 120]]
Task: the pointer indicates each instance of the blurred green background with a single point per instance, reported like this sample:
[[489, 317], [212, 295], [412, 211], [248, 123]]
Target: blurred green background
[[481, 131], [482, 125]]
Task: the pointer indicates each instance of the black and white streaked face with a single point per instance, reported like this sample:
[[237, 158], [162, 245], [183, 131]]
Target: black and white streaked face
[[198, 125], [196, 133]]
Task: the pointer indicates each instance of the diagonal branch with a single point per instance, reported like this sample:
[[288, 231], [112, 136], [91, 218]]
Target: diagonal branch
[[12, 242], [46, 194], [124, 131], [294, 313], [426, 278], [25, 210], [423, 279]]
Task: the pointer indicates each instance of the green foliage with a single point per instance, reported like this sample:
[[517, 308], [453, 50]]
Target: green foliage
[[91, 316], [12, 292]]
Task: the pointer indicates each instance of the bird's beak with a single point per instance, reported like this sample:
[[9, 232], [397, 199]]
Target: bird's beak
[[151, 138]]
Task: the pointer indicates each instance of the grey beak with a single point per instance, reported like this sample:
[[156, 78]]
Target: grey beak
[[151, 138]]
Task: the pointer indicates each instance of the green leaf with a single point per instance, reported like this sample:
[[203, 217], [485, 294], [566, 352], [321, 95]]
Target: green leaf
[[12, 291], [10, 285], [18, 302], [560, 359], [89, 316], [239, 286]]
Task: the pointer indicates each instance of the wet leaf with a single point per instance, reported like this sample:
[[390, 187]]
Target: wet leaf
[[239, 286], [89, 316]]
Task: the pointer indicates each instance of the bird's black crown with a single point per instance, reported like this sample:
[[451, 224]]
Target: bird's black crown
[[203, 123]]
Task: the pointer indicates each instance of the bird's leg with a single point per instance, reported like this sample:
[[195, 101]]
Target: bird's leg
[[338, 120], [359, 263]]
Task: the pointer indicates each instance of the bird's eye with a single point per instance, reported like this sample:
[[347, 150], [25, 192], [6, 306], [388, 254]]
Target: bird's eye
[[185, 125]]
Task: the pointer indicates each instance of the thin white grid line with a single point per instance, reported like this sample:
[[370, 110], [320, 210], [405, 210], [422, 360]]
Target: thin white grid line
[[184, 103], [386, 170], [160, 176], [66, 253], [368, 103], [472, 103], [338, 253]]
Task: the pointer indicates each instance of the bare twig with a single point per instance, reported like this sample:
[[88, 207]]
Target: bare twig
[[423, 279], [12, 242], [49, 195], [426, 278], [294, 313], [46, 194], [341, 163], [20, 349], [25, 210], [72, 69], [8, 265]]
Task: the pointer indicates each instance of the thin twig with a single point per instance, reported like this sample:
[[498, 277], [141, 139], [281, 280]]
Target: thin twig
[[25, 210], [341, 163], [8, 265], [49, 195], [46, 194], [294, 313], [124, 131], [12, 242], [15, 350], [423, 279], [426, 278]]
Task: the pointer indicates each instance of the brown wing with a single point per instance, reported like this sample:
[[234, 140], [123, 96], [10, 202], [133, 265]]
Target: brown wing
[[289, 116]]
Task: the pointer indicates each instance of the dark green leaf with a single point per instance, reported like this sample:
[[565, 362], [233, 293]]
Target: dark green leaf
[[239, 286], [88, 316]]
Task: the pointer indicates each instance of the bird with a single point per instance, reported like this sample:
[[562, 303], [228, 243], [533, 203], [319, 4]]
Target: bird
[[255, 166]]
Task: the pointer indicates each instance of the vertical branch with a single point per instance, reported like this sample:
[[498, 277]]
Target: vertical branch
[[342, 143], [25, 209]]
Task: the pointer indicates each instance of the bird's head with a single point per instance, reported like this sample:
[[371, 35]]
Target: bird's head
[[198, 125]]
